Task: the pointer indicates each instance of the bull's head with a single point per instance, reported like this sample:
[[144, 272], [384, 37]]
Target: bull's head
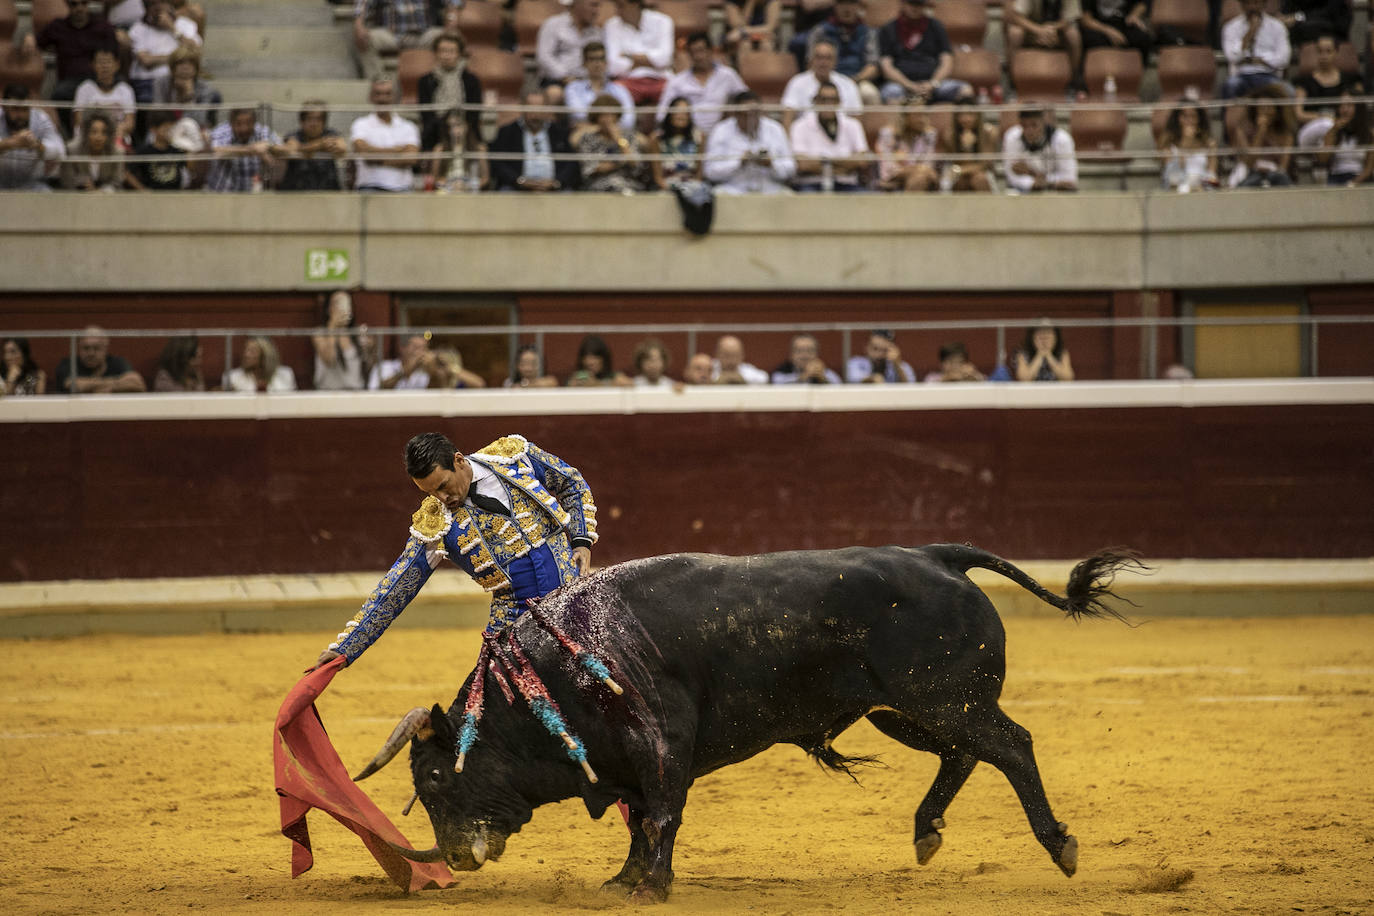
[[472, 812]]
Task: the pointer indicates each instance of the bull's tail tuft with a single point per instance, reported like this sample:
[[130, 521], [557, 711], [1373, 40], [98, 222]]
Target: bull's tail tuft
[[1089, 582], [831, 759]]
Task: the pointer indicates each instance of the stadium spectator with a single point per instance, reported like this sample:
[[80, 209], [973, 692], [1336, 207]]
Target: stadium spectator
[[1042, 357], [748, 153], [1309, 20], [1190, 161], [880, 363], [639, 49], [560, 43], [706, 83], [1051, 24], [166, 173], [21, 374], [407, 370], [1266, 126], [124, 14], [752, 22], [73, 40], [152, 42], [183, 85], [579, 94], [342, 355], [806, 16], [800, 92], [461, 163], [829, 146], [619, 165], [970, 135], [1256, 48], [804, 364], [192, 11], [385, 140], [678, 139], [313, 152], [915, 56], [955, 366], [730, 368], [1037, 156], [259, 369], [179, 367], [97, 142], [535, 138], [97, 372], [29, 143], [908, 151], [698, 370], [529, 370], [856, 47], [1346, 165], [1117, 24], [244, 153], [1326, 82], [386, 26], [445, 368], [106, 92], [449, 85], [651, 361], [595, 365]]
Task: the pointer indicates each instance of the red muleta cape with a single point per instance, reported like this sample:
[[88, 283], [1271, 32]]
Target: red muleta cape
[[310, 774]]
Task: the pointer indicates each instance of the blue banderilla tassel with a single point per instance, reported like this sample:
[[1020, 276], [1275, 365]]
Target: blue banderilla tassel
[[467, 736], [544, 712]]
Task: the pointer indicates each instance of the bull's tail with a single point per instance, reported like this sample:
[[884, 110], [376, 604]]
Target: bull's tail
[[1090, 581]]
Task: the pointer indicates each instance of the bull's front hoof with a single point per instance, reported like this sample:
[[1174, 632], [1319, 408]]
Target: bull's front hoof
[[1067, 860], [646, 893], [926, 847], [617, 886]]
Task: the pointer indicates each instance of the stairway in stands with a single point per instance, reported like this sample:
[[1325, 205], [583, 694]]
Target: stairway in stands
[[283, 52]]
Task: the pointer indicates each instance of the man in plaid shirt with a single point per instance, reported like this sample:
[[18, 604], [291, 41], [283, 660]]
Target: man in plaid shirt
[[243, 151], [385, 26]]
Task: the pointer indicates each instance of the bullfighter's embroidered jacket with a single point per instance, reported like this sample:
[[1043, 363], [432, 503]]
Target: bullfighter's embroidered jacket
[[516, 558]]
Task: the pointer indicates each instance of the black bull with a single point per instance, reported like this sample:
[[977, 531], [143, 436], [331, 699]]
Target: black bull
[[723, 657]]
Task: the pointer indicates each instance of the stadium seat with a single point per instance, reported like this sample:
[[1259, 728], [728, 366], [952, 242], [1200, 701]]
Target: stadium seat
[[9, 20], [878, 13], [500, 71], [1185, 18], [1040, 75], [45, 11], [1185, 68], [24, 69], [480, 23], [529, 16], [979, 67], [766, 72], [1347, 61], [1121, 63], [411, 64], [1096, 130], [688, 16], [966, 21]]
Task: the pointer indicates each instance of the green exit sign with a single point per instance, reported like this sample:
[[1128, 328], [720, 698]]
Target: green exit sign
[[326, 264]]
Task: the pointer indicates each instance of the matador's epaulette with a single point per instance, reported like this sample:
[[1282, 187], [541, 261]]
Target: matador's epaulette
[[431, 522], [507, 449]]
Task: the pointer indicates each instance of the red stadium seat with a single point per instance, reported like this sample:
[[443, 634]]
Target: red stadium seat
[[1347, 61], [878, 13], [1040, 75], [480, 22], [1182, 69], [44, 11], [1185, 18], [979, 67], [500, 71], [1097, 130], [1123, 64], [529, 15], [9, 20], [689, 16], [411, 64], [767, 72], [20, 68], [966, 21]]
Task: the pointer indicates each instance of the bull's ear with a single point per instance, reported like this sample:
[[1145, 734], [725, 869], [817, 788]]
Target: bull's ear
[[443, 728]]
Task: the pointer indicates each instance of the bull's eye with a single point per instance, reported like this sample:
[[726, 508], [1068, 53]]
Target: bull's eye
[[435, 775]]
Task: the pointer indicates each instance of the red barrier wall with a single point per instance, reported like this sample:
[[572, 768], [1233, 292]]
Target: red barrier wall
[[208, 497]]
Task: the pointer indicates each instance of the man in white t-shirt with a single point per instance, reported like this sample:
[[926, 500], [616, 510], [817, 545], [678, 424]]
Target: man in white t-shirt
[[639, 50], [385, 139], [828, 146], [801, 89], [106, 92], [730, 368], [1038, 156], [407, 370]]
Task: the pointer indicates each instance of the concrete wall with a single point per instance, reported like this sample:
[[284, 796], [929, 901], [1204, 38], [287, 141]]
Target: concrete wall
[[506, 242]]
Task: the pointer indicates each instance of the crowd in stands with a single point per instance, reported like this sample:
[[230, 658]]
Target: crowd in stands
[[625, 104], [348, 358]]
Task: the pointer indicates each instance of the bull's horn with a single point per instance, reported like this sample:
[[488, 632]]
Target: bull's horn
[[418, 855], [479, 846], [414, 722]]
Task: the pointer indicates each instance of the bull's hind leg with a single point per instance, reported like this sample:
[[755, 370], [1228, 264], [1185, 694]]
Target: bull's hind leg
[[955, 768]]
